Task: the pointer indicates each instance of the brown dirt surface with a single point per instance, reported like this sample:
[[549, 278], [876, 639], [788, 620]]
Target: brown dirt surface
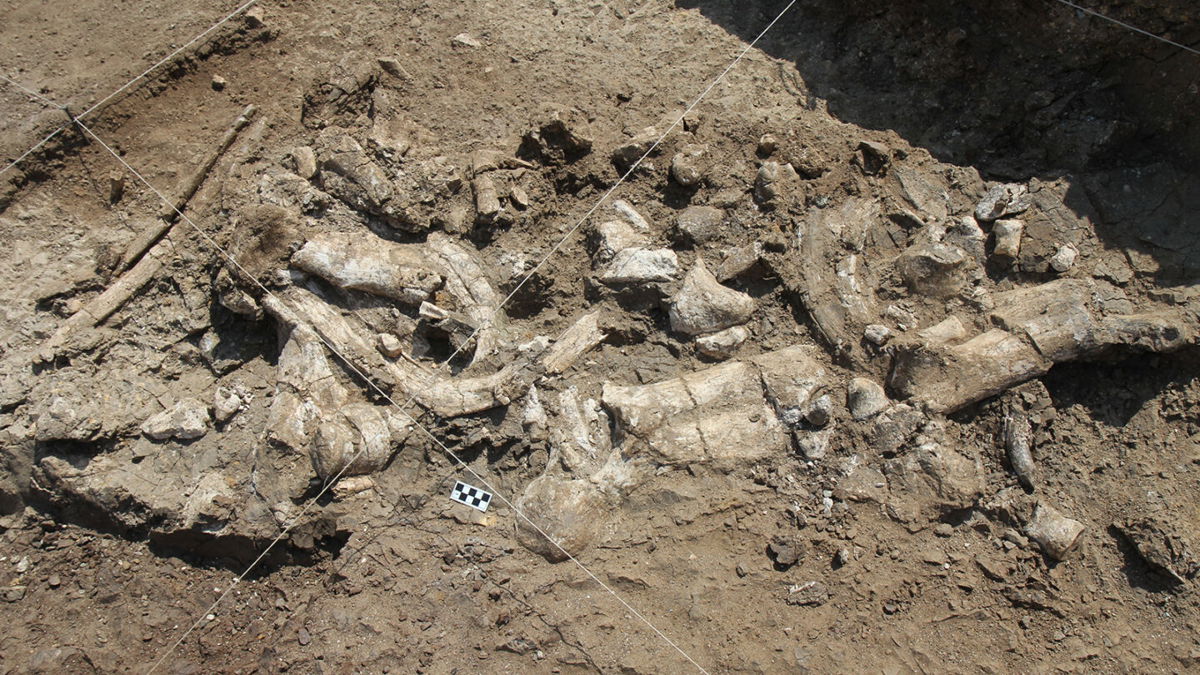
[[881, 433]]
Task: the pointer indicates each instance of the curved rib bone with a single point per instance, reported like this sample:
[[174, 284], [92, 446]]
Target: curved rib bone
[[444, 396]]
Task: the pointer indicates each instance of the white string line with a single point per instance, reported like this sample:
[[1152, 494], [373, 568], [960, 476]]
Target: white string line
[[45, 140], [632, 168], [390, 400], [123, 87], [34, 148], [168, 57], [294, 521], [1130, 27], [30, 92]]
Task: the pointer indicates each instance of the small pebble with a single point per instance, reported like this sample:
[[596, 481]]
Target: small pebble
[[519, 197], [877, 334], [255, 17], [218, 82], [767, 145], [390, 345], [820, 411], [1008, 237], [1064, 259], [865, 398], [466, 40], [55, 581]]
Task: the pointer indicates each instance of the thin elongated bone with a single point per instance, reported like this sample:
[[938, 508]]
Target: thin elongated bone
[[170, 213], [104, 305], [1018, 440], [167, 215]]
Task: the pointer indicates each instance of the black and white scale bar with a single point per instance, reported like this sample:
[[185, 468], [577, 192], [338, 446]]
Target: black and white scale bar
[[471, 496]]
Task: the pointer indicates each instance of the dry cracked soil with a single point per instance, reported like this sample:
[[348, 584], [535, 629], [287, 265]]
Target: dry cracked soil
[[883, 360]]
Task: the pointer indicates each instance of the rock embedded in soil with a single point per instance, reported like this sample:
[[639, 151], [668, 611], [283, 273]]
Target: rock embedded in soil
[[304, 162], [390, 345], [1054, 532], [1064, 259], [626, 211], [767, 145], [555, 143], [226, 404], [934, 476], [772, 180], [611, 237], [873, 158], [233, 298], [64, 659], [1002, 200], [700, 224], [1163, 544], [641, 266], [739, 261], [723, 344], [994, 568], [256, 17], [967, 235], [466, 40], [704, 306], [685, 166], [785, 552], [810, 593], [630, 152], [186, 420], [392, 66], [877, 334], [519, 646], [933, 268], [64, 419], [865, 398], [894, 427], [1008, 238], [820, 411], [813, 445]]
